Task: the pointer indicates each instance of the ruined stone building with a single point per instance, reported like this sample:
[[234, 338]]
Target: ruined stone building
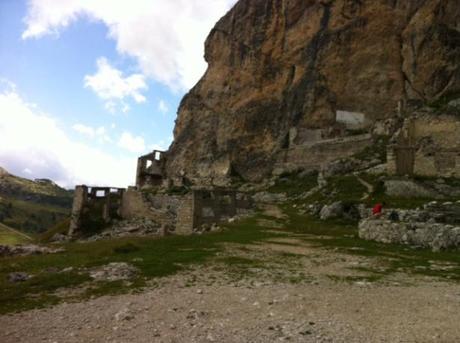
[[95, 208], [150, 169], [426, 145], [296, 84], [314, 149]]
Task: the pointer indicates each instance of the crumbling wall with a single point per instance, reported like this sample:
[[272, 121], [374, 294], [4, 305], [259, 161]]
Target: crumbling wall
[[150, 169], [426, 146], [216, 206], [173, 212], [316, 155], [93, 208], [435, 236]]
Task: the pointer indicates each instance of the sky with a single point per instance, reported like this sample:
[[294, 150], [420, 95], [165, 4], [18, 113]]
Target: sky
[[87, 86]]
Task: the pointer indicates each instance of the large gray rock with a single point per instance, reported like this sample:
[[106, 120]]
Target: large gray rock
[[435, 236], [339, 209], [18, 277], [332, 211], [409, 189]]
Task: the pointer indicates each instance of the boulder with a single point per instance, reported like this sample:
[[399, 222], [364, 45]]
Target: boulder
[[409, 189], [340, 209], [114, 271], [332, 211], [18, 277], [269, 198]]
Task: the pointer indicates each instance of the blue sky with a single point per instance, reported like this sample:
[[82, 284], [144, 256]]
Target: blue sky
[[86, 86]]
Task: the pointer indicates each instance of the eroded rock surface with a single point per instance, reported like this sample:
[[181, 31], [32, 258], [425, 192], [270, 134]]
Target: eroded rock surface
[[280, 67]]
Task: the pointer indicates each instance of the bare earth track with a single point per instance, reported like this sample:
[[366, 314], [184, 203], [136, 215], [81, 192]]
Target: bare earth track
[[299, 292]]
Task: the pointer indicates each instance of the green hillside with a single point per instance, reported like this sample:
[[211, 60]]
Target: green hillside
[[9, 236], [32, 206]]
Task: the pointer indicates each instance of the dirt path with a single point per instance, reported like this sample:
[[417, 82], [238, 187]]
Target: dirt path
[[370, 188], [290, 290]]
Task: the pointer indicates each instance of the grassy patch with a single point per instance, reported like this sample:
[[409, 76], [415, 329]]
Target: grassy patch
[[343, 236], [339, 188], [376, 150], [405, 203], [153, 257], [62, 228], [295, 183], [9, 236]]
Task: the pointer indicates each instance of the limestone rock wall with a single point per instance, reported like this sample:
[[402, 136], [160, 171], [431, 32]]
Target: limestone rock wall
[[275, 65]]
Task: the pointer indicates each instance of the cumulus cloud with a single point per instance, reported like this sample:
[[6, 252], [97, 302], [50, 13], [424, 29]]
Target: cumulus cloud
[[34, 144], [134, 144], [91, 132], [165, 37], [110, 85]]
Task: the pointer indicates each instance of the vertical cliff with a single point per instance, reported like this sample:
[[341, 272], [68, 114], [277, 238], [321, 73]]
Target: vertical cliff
[[275, 65]]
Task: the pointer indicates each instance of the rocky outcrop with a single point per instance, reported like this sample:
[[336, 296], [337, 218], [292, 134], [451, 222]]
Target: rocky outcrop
[[283, 66]]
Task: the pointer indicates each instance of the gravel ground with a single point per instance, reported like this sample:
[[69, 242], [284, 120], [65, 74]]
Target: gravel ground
[[209, 304]]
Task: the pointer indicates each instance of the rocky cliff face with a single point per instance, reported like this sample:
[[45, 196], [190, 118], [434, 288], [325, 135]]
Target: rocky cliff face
[[275, 65]]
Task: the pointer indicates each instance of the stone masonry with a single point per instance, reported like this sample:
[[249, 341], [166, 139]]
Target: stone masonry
[[94, 206]]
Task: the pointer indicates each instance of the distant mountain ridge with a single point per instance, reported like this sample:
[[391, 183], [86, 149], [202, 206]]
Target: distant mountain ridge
[[32, 205]]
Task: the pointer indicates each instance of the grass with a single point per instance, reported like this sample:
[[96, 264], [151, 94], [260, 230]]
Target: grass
[[343, 236], [10, 236], [153, 257], [31, 217], [162, 257], [295, 183], [62, 228], [397, 202]]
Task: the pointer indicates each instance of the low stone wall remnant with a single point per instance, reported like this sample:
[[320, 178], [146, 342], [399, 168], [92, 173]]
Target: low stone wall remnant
[[435, 236]]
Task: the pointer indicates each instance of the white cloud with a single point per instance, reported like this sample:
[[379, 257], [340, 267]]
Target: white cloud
[[165, 37], [163, 107], [91, 132], [84, 130], [134, 144], [110, 85], [34, 144]]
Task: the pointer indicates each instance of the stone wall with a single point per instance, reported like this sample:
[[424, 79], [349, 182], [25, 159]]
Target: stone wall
[[436, 226], [182, 214], [217, 206], [316, 155], [173, 212], [435, 236], [93, 208], [428, 146]]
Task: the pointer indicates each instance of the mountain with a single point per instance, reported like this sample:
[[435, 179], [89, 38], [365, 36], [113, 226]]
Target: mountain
[[32, 205], [281, 66]]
